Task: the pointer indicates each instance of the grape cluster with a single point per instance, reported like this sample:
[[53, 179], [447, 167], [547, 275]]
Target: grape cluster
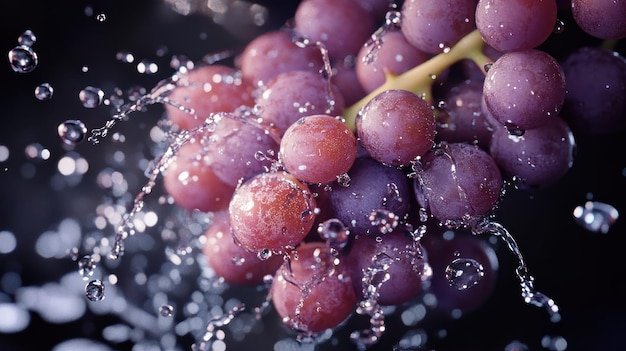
[[338, 149]]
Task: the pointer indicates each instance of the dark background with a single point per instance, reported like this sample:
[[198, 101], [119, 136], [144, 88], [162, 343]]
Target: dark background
[[581, 270]]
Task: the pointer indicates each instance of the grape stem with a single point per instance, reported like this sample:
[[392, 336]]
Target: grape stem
[[419, 79]]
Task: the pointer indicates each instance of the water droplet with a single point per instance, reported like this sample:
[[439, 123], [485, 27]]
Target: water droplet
[[596, 216], [516, 346], [91, 97], [166, 310], [386, 221], [125, 56], [488, 66], [86, 266], [23, 59], [559, 26], [101, 17], [94, 290], [44, 92], [334, 232], [72, 131], [464, 273], [147, 67], [264, 254], [27, 38]]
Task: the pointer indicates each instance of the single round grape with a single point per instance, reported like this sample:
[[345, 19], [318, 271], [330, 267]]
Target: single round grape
[[296, 94], [458, 183], [318, 148], [191, 182], [596, 85], [443, 248], [539, 157], [231, 261], [394, 56], [604, 19], [233, 149], [509, 25], [313, 291], [523, 89], [434, 26], [275, 52], [396, 127], [404, 283], [372, 186], [271, 211], [206, 90], [342, 26]]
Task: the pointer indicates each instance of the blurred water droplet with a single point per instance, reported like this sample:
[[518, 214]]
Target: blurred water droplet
[[72, 131], [27, 38], [125, 56], [44, 92], [91, 97], [23, 59], [596, 216], [166, 310], [516, 346], [464, 273], [386, 221], [86, 266], [334, 232], [94, 290]]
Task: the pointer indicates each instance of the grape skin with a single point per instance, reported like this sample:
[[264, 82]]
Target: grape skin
[[601, 19], [318, 148], [271, 211], [330, 299], [392, 145], [523, 89]]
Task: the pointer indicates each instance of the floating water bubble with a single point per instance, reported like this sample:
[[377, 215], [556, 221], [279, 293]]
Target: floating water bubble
[[94, 290], [91, 97], [559, 26], [166, 310], [385, 221], [72, 131], [23, 59], [44, 92], [334, 232], [101, 17], [464, 273], [596, 216], [27, 38], [86, 266]]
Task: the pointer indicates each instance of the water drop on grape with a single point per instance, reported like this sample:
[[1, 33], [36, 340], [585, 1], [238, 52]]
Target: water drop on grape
[[72, 131], [91, 97], [44, 92], [27, 38], [596, 216], [264, 254], [488, 66], [23, 59], [166, 310], [464, 273], [94, 290], [86, 266]]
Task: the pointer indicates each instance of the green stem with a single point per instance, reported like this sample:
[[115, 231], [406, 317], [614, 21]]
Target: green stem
[[419, 79]]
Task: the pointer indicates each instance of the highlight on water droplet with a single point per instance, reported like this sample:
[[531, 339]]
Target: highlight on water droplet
[[72, 131], [23, 59], [44, 92], [91, 97], [166, 310], [596, 216], [94, 290], [464, 273]]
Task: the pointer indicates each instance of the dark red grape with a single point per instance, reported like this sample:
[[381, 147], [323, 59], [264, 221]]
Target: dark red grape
[[318, 149], [313, 290], [605, 19], [396, 127], [271, 211]]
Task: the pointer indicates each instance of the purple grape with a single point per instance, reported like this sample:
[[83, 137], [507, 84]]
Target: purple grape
[[601, 19], [434, 26], [345, 78], [509, 25], [342, 26], [523, 89], [296, 94], [396, 127], [596, 87], [458, 183], [394, 56], [539, 157], [372, 186]]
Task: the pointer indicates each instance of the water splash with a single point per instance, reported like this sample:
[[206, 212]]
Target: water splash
[[529, 294], [596, 216]]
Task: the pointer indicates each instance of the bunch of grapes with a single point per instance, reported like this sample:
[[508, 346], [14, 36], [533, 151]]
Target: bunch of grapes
[[340, 152]]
